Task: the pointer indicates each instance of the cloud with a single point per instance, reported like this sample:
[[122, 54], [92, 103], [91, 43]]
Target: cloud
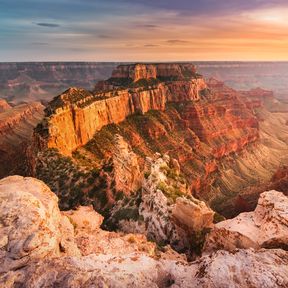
[[177, 41], [148, 26], [50, 25], [150, 45]]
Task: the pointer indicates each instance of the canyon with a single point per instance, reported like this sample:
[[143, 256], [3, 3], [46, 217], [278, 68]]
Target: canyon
[[155, 176], [41, 81], [226, 142]]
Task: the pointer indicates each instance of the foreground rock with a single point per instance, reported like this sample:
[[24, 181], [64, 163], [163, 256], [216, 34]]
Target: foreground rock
[[266, 227], [42, 247]]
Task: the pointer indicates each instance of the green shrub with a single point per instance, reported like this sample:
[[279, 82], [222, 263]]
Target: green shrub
[[218, 218], [147, 174]]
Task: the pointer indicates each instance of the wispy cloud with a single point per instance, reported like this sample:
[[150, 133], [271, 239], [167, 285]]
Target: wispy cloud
[[151, 45], [149, 26], [126, 29], [177, 42], [50, 25]]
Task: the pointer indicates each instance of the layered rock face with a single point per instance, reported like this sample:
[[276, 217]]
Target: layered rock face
[[16, 129], [83, 113], [147, 71], [222, 143], [135, 72], [45, 247]]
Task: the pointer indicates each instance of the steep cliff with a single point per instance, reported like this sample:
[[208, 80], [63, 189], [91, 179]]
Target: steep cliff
[[16, 129], [83, 113]]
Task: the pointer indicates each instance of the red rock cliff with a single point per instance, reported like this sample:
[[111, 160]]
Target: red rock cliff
[[73, 117]]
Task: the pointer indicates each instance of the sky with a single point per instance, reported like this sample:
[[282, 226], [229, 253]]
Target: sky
[[143, 30]]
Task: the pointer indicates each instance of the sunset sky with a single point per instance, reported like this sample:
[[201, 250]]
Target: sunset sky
[[143, 30]]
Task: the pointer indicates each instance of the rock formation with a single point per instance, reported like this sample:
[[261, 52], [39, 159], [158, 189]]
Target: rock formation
[[166, 212], [16, 129], [41, 246], [266, 227], [221, 139], [84, 113]]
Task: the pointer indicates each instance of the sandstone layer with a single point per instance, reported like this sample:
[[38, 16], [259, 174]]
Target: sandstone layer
[[44, 247], [83, 113]]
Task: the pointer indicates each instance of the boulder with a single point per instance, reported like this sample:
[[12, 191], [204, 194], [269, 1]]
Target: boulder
[[267, 226]]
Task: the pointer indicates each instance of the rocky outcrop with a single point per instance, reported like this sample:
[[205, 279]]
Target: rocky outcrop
[[16, 129], [127, 175], [34, 235], [195, 215], [139, 71], [135, 72], [83, 113], [266, 227], [166, 211], [40, 246]]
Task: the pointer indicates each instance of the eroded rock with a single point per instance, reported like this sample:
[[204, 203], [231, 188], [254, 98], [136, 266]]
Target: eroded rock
[[267, 226], [32, 255]]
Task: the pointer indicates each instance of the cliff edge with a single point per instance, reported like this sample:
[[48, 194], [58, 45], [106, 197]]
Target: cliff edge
[[41, 246]]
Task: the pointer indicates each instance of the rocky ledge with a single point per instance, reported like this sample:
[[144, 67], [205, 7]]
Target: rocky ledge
[[265, 227], [43, 247]]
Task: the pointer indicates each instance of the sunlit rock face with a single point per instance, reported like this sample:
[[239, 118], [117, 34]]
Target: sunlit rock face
[[31, 222], [135, 72], [83, 113], [4, 105], [41, 246], [147, 71], [265, 227]]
